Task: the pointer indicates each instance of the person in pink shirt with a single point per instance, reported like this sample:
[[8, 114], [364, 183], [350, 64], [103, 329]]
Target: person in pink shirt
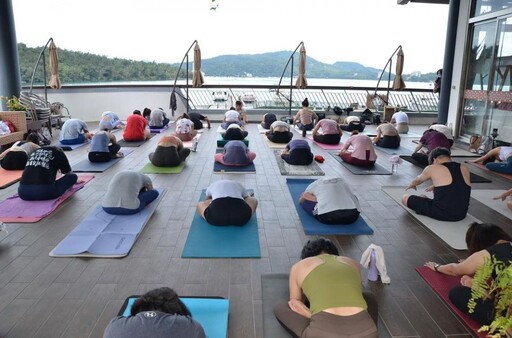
[[331, 132], [362, 153]]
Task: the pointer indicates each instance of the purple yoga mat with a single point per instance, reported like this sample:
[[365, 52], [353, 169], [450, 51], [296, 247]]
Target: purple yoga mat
[[16, 210]]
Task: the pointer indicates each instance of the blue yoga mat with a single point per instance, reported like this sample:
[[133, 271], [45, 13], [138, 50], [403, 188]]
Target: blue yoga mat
[[98, 167], [105, 235], [209, 241], [211, 313], [311, 225]]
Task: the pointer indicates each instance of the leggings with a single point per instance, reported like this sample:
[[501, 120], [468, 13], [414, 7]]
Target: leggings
[[347, 157], [103, 156], [43, 192], [325, 325], [484, 309], [327, 138], [145, 198], [351, 126], [501, 167], [79, 140], [280, 136], [392, 142]]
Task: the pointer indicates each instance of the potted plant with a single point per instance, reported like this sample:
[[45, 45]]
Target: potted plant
[[494, 279], [13, 103]]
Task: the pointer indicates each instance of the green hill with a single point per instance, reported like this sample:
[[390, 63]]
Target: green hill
[[78, 67]]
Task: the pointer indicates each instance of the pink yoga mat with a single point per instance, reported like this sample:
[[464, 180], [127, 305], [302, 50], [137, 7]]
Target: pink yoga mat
[[16, 210], [441, 284], [326, 146], [8, 177]]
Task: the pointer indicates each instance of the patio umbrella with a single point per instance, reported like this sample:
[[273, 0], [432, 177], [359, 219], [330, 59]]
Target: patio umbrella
[[197, 79], [398, 83], [301, 80], [54, 67]]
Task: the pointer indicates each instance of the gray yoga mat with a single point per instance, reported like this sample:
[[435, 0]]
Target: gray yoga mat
[[376, 169], [92, 167], [453, 233], [312, 169], [274, 288]]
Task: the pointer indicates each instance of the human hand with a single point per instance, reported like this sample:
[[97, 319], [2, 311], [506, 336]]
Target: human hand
[[429, 189], [466, 281], [299, 307], [431, 265], [503, 196], [410, 186]]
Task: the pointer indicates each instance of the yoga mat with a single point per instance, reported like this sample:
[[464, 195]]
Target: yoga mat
[[474, 178], [441, 284], [16, 210], [456, 151], [102, 235], [9, 177], [67, 147], [298, 130], [483, 167], [124, 143], [261, 130], [211, 313], [453, 233], [221, 130], [273, 145], [190, 144], [312, 169], [221, 142], [314, 227], [94, 167], [376, 169], [274, 288], [411, 134], [158, 130], [326, 146], [149, 168], [486, 196], [397, 151], [208, 241], [221, 168]]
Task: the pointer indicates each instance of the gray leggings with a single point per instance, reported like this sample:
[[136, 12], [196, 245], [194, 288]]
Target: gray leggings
[[325, 325]]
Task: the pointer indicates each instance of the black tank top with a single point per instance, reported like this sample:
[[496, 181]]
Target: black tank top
[[452, 200]]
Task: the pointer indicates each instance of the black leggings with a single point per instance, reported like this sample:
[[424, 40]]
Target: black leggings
[[102, 156], [280, 136], [392, 142], [484, 309], [298, 157], [327, 138]]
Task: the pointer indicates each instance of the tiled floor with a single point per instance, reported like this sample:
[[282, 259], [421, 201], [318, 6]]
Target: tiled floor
[[42, 296]]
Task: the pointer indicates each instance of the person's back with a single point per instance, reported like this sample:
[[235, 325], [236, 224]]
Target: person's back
[[236, 153], [362, 147], [433, 139], [268, 119], [451, 200], [298, 152], [157, 119], [135, 128], [72, 130], [99, 142], [184, 126], [124, 188], [401, 122], [169, 152]]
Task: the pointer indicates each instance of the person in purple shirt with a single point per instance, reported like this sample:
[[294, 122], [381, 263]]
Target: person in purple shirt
[[430, 140], [297, 152], [235, 153]]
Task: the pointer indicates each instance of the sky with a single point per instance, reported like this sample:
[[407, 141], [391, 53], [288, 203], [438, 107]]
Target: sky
[[363, 31]]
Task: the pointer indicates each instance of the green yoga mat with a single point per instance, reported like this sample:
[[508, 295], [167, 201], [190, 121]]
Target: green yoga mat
[[149, 168], [208, 241], [221, 142], [211, 313]]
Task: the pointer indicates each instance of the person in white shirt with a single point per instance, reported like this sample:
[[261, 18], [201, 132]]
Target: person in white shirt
[[331, 201], [447, 131], [230, 117], [227, 203], [185, 129], [401, 122]]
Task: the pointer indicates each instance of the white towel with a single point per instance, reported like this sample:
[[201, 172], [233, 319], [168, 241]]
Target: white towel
[[380, 262]]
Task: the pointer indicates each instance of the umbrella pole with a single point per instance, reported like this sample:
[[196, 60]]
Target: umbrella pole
[[291, 88], [41, 55], [179, 69]]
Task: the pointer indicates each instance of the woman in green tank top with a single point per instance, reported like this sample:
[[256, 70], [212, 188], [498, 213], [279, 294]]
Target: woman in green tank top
[[326, 298]]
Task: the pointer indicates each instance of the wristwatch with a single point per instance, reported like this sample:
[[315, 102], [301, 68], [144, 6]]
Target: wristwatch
[[436, 266]]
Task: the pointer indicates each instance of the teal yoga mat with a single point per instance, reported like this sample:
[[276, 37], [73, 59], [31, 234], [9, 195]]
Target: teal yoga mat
[[211, 313], [311, 225], [208, 241]]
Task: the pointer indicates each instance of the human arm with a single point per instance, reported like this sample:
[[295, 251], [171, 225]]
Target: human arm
[[112, 138], [147, 182], [315, 129], [424, 176], [378, 134], [307, 196], [502, 196], [296, 296], [466, 267], [208, 122]]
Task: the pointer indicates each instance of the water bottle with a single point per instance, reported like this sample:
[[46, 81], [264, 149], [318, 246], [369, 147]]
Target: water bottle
[[373, 273], [3, 227], [194, 144]]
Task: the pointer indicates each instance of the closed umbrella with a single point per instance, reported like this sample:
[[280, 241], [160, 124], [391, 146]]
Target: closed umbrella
[[398, 83], [301, 80], [54, 67], [197, 79]]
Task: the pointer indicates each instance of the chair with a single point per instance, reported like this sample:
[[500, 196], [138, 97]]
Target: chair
[[38, 109]]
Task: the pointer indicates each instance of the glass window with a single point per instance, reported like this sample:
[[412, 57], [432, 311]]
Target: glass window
[[488, 6]]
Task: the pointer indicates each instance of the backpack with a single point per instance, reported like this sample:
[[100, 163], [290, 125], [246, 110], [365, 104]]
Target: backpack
[[43, 140]]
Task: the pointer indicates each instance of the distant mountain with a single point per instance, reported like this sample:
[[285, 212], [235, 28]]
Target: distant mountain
[[272, 65], [78, 67]]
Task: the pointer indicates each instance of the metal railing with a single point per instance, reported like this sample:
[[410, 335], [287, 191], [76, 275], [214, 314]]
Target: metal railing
[[320, 98]]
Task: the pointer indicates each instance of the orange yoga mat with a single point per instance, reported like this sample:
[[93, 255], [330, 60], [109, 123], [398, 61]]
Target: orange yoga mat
[[9, 177]]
